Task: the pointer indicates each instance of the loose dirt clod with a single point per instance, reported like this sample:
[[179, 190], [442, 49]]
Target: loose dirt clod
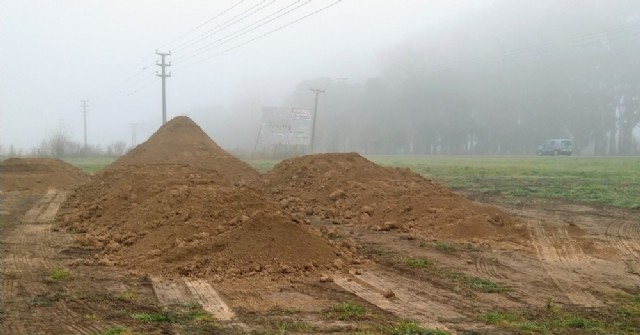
[[39, 174], [177, 205], [347, 188]]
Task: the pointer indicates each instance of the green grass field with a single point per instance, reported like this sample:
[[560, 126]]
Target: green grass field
[[613, 181], [90, 165]]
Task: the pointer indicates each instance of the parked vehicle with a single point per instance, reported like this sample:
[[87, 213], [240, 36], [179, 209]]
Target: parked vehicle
[[556, 147]]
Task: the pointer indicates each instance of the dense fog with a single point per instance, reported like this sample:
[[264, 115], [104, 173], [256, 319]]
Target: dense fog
[[441, 77]]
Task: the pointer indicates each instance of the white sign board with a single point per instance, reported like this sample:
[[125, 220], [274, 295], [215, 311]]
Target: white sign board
[[287, 126]]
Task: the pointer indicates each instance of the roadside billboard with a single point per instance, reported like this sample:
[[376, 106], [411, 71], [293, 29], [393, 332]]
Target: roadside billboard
[[285, 126]]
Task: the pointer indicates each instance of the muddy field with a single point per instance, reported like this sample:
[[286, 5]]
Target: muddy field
[[199, 243]]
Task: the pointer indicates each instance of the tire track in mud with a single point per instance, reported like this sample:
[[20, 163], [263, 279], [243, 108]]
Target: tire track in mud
[[29, 257], [45, 210], [488, 267], [624, 236], [188, 291], [209, 300], [411, 299], [559, 267]]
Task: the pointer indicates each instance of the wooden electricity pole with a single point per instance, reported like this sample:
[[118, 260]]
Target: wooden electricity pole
[[84, 111], [315, 114], [164, 76]]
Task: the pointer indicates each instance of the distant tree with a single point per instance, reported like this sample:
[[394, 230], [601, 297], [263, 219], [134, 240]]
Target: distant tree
[[57, 141], [116, 149]]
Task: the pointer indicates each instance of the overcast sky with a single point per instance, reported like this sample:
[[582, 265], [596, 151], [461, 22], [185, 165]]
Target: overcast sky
[[53, 54]]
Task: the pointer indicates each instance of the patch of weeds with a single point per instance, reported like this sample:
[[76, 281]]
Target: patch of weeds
[[417, 263], [126, 296], [495, 317], [485, 285], [91, 317], [551, 305], [347, 311], [199, 315], [48, 299], [153, 317], [407, 327], [59, 274], [445, 246], [629, 306], [581, 322], [531, 326]]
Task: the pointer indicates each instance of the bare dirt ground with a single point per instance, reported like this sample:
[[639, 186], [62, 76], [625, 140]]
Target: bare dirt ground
[[581, 258]]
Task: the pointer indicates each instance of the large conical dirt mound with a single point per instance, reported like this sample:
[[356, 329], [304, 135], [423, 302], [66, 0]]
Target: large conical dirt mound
[[39, 174], [182, 141], [186, 216], [347, 188]]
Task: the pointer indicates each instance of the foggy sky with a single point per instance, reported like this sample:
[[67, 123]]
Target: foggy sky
[[55, 53]]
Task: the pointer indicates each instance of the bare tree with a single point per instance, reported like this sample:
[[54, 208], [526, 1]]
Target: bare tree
[[116, 149], [57, 142]]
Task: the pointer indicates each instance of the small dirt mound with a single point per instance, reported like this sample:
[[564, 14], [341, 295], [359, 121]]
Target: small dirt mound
[[191, 215], [349, 189], [39, 174], [182, 141]]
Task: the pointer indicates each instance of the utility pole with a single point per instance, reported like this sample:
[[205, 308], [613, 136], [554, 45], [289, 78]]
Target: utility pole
[[84, 111], [133, 133], [164, 76], [315, 114]]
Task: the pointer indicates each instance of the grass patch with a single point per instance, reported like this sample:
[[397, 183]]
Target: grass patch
[[199, 315], [472, 282], [445, 246], [59, 274], [90, 165], [49, 299], [407, 327], [417, 263], [153, 317], [484, 285], [499, 317], [347, 311], [126, 296], [613, 181], [581, 322], [570, 321]]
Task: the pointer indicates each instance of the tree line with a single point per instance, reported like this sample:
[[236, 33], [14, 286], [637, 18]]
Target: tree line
[[501, 79]]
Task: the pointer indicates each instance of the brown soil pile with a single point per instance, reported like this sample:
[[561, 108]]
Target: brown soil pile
[[349, 189], [190, 219], [182, 141], [39, 174]]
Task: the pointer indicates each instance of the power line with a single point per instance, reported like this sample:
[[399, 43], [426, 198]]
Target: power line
[[262, 35], [145, 65], [243, 31], [202, 24], [224, 25]]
